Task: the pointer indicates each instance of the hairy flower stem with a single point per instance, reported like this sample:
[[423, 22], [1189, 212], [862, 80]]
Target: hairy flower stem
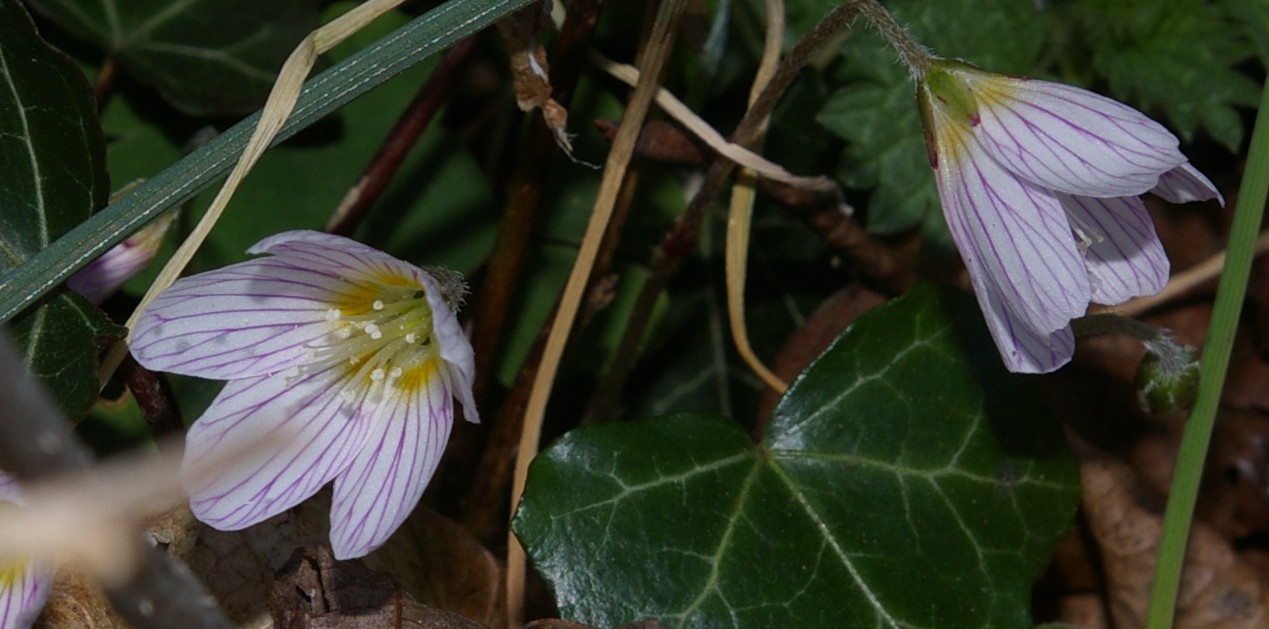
[[911, 52], [1158, 341]]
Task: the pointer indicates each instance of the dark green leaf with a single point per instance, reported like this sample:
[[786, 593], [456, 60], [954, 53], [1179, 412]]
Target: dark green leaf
[[59, 341], [875, 110], [52, 177], [205, 56], [905, 480], [1177, 58]]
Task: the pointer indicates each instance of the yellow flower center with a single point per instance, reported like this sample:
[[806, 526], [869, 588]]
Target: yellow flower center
[[381, 332]]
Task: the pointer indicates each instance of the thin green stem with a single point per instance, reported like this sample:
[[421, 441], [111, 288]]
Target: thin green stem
[[426, 35], [1214, 363]]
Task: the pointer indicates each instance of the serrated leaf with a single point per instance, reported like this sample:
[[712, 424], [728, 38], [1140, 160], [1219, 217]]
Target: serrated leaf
[[875, 109], [1177, 58], [52, 177], [205, 56], [904, 480]]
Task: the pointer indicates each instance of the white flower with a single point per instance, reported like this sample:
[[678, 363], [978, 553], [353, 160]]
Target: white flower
[[359, 355], [1039, 183], [24, 586]]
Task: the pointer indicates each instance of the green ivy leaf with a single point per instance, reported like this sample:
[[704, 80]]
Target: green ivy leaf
[[1177, 58], [52, 176], [204, 56], [904, 480], [875, 110]]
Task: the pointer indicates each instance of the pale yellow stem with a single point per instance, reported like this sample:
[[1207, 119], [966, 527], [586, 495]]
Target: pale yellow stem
[[740, 214], [1183, 282], [656, 52]]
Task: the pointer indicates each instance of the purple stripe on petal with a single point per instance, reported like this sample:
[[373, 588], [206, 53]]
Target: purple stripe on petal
[[1014, 238], [385, 481], [351, 258], [1072, 140], [1021, 349], [22, 600], [1185, 184], [322, 433], [1125, 258]]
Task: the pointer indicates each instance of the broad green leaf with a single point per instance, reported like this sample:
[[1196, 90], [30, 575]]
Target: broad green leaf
[[52, 177], [875, 110], [204, 56], [1176, 58], [328, 91], [905, 480]]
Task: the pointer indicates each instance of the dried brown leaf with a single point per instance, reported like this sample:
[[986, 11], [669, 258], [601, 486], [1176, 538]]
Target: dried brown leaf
[[1217, 589]]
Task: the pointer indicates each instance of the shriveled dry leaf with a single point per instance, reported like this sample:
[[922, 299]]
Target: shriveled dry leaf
[[77, 601], [530, 71], [434, 560], [314, 591], [1217, 589]]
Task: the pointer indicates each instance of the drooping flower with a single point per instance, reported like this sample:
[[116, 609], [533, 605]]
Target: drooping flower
[[357, 354], [1039, 183], [24, 586], [106, 274]]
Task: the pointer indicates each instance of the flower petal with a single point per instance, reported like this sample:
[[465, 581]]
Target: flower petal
[[459, 367], [1021, 349], [387, 478], [319, 433], [1070, 140], [261, 316], [342, 256], [1125, 258], [1015, 238], [22, 598], [1185, 184], [23, 588], [247, 319]]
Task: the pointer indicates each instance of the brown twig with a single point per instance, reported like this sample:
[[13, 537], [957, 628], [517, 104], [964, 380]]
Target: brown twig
[[404, 135], [873, 261], [484, 506], [154, 399], [685, 233], [105, 80], [502, 274]]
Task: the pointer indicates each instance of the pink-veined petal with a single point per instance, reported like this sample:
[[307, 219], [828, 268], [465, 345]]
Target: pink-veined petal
[[274, 441], [1014, 237], [22, 598], [1070, 140], [25, 588], [1185, 184], [342, 256], [459, 360], [397, 459], [1125, 258], [1021, 349], [261, 316], [247, 319]]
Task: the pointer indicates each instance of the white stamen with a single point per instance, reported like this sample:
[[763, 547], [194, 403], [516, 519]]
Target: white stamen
[[377, 375], [394, 374], [332, 314], [374, 331], [343, 333], [378, 305], [411, 338]]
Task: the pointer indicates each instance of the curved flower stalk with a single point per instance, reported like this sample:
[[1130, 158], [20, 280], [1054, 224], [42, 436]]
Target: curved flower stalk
[[24, 587], [357, 355], [1039, 183]]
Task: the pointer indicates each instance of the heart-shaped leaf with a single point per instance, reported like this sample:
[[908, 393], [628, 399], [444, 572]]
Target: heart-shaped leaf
[[904, 480], [204, 56], [52, 177]]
